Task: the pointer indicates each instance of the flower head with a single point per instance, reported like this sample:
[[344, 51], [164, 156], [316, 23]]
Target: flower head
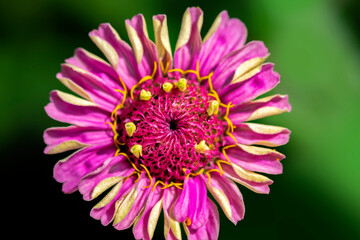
[[159, 132]]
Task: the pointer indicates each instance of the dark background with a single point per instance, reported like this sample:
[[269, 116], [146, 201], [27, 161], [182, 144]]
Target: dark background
[[315, 46]]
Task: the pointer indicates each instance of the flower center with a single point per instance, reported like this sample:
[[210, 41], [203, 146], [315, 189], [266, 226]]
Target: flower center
[[168, 128]]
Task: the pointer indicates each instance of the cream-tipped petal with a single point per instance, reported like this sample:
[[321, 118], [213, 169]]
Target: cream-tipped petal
[[74, 100], [75, 88], [107, 49], [153, 218], [213, 27], [66, 146], [248, 69], [222, 200], [265, 112], [185, 30], [124, 205], [110, 196], [104, 185], [135, 42], [249, 175], [162, 40]]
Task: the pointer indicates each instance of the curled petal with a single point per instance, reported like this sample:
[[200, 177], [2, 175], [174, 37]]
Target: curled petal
[[255, 182], [118, 52], [228, 196], [62, 139], [256, 158], [144, 49], [70, 170], [226, 69], [224, 36], [172, 228], [111, 172], [259, 134], [210, 231], [192, 203], [189, 43], [259, 108], [70, 109], [162, 41], [249, 89]]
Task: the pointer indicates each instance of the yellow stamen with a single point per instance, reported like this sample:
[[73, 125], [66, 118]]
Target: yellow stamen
[[177, 70], [144, 79], [181, 84], [188, 221], [136, 150], [114, 112], [145, 95], [130, 128], [226, 147], [164, 70], [213, 108], [195, 174], [167, 87], [148, 173], [124, 92], [219, 165], [154, 70], [201, 147], [156, 183]]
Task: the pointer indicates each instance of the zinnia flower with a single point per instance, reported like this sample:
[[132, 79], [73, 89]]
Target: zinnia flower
[[157, 132]]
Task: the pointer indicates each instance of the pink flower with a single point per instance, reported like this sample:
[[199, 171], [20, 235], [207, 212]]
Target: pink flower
[[158, 132]]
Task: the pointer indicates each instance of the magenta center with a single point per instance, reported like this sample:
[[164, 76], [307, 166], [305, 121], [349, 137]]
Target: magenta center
[[169, 126]]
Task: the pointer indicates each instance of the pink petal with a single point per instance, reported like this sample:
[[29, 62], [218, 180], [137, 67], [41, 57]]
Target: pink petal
[[234, 206], [94, 87], [106, 214], [136, 28], [121, 55], [249, 89], [79, 115], [53, 137], [210, 231], [170, 196], [70, 170], [258, 187], [258, 134], [141, 198], [259, 108], [96, 66], [192, 203], [113, 167], [162, 40], [256, 158], [230, 35], [225, 70], [140, 229], [189, 43]]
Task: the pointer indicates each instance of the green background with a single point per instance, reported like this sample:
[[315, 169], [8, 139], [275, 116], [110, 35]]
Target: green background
[[315, 46]]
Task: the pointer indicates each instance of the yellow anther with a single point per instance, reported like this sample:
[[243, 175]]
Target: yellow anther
[[130, 128], [136, 150], [145, 95], [213, 108], [167, 87], [181, 84], [201, 147]]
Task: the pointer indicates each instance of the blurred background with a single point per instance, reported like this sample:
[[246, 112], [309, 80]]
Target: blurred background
[[316, 48]]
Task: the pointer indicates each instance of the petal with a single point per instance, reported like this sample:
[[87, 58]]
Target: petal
[[70, 170], [106, 208], [224, 36], [67, 108], [211, 230], [228, 196], [144, 228], [128, 211], [259, 134], [162, 41], [226, 69], [144, 49], [172, 228], [118, 52], [111, 172], [188, 45], [255, 182], [259, 108], [62, 139], [192, 203], [96, 66], [95, 88], [256, 158], [249, 89]]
